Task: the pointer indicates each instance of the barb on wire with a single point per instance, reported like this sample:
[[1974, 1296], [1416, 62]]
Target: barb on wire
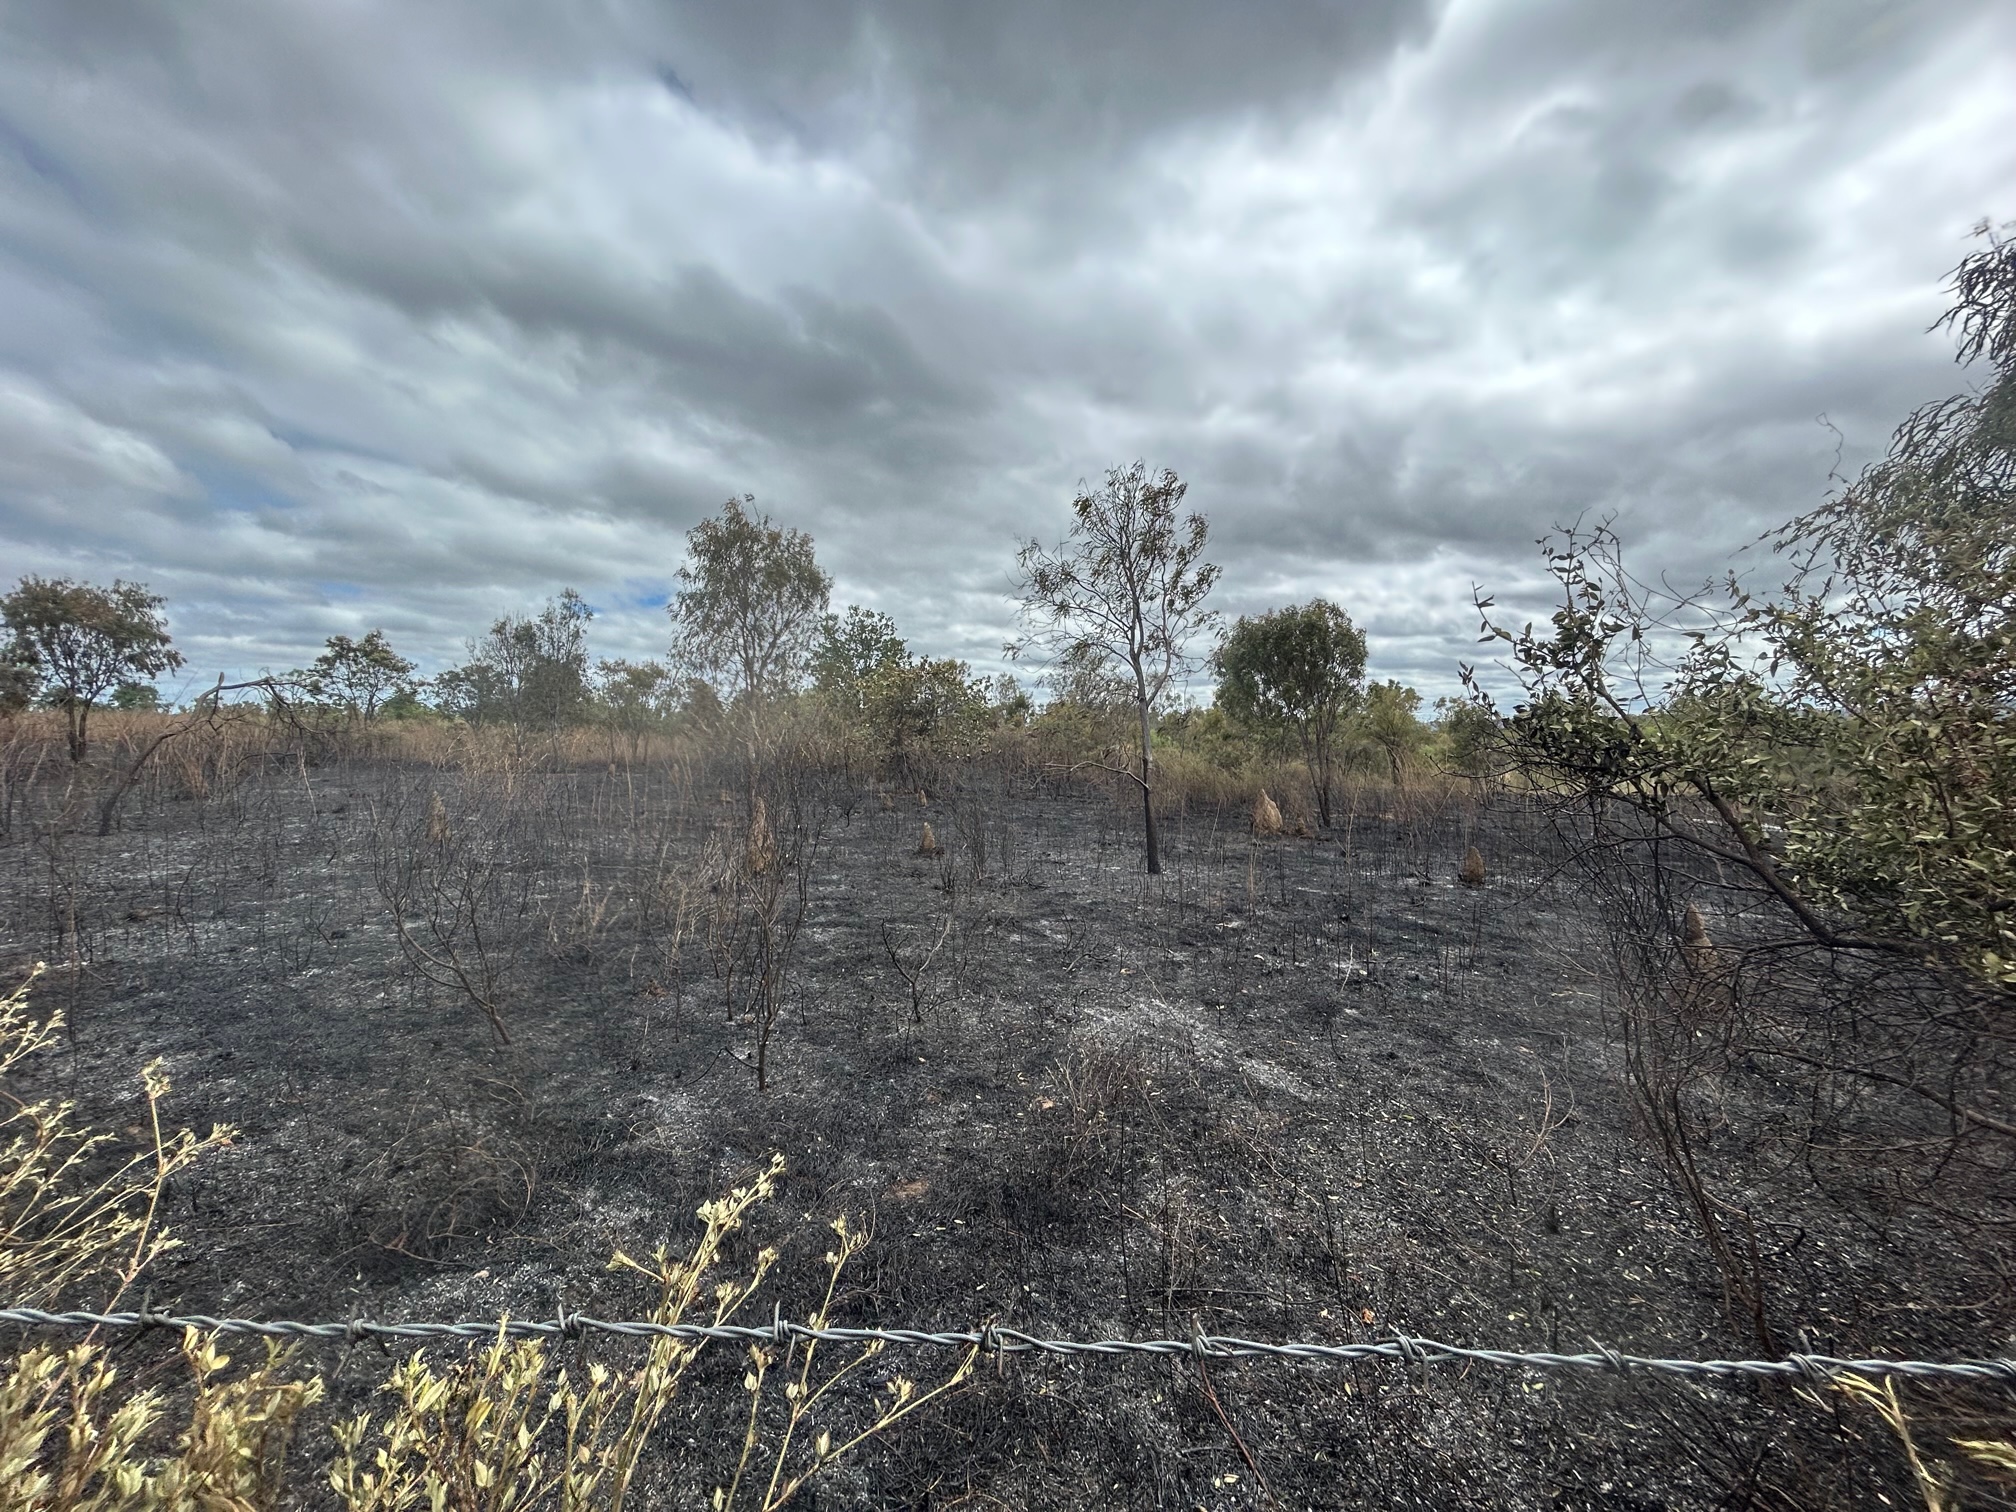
[[1400, 1347]]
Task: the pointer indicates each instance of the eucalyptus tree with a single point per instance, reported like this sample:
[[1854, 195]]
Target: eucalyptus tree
[[1123, 593], [750, 604]]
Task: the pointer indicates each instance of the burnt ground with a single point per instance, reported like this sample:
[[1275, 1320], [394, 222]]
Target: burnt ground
[[1293, 1089]]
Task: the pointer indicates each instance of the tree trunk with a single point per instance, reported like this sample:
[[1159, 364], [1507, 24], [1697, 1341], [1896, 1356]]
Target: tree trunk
[[1148, 794]]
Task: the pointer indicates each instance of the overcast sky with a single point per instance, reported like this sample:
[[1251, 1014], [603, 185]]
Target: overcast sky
[[324, 316]]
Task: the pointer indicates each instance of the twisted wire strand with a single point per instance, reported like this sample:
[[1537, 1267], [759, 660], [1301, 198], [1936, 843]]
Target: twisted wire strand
[[1404, 1348]]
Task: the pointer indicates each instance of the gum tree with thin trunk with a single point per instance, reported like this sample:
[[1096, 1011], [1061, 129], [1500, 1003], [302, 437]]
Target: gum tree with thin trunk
[[750, 605], [1123, 593]]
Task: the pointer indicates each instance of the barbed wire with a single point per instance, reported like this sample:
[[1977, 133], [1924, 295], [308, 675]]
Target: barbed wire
[[994, 1339]]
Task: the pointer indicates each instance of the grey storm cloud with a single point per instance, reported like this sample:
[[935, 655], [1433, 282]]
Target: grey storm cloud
[[324, 317]]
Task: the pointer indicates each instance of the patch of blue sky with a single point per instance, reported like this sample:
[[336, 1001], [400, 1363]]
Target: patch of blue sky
[[340, 591], [234, 489], [642, 593]]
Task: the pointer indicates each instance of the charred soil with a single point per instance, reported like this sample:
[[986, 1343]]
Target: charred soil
[[1290, 1089]]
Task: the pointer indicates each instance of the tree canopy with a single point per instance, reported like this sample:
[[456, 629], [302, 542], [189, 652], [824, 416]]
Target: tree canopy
[[359, 675], [1865, 711], [529, 671], [1296, 672], [77, 642], [852, 652], [1124, 591], [749, 604]]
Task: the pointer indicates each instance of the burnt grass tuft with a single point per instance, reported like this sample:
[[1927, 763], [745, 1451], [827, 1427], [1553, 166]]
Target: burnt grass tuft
[[1292, 1089]]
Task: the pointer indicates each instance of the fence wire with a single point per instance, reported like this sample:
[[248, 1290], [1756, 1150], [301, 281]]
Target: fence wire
[[995, 1340]]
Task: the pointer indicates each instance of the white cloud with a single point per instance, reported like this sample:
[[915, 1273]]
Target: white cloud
[[329, 317]]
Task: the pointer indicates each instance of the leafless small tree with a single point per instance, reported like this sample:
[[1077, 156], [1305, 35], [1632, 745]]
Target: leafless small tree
[[455, 903]]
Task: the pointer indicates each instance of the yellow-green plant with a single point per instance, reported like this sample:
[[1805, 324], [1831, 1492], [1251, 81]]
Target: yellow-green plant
[[1936, 1480], [73, 1436], [508, 1431], [505, 1429], [74, 1439], [803, 1392], [61, 1224]]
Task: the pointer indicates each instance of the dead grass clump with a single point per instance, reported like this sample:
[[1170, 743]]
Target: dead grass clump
[[442, 1183], [1088, 1099], [1185, 781], [1472, 873], [1266, 815]]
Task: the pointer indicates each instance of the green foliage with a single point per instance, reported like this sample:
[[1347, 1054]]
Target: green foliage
[[1009, 705], [136, 698], [1470, 734], [19, 681], [530, 672], [1855, 732], [925, 711], [852, 652], [695, 703], [748, 611], [634, 696], [406, 704], [1389, 723], [910, 711], [76, 642], [1296, 672], [1089, 714], [357, 676], [1209, 734]]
